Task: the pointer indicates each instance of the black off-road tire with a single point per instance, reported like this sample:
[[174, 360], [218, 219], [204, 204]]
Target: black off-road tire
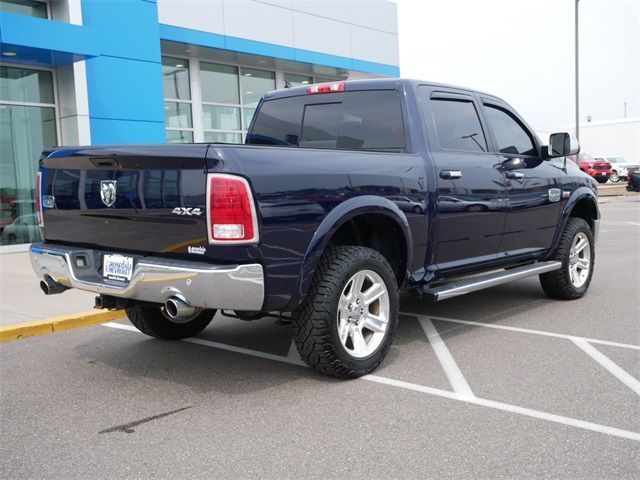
[[557, 284], [315, 324], [602, 179], [152, 321]]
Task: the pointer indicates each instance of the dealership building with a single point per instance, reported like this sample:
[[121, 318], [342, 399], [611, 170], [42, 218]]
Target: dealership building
[[154, 71]]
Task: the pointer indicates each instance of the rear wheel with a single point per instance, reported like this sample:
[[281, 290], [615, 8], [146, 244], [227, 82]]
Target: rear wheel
[[153, 321], [577, 253], [349, 318], [615, 178]]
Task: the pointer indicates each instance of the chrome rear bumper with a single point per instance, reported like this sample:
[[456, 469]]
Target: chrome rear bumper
[[154, 279]]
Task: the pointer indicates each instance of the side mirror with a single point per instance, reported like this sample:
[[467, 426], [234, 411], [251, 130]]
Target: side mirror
[[562, 145]]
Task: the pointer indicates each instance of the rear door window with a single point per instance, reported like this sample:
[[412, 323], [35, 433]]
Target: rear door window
[[458, 125], [363, 120]]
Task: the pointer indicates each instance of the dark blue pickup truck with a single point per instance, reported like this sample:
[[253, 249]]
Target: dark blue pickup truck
[[344, 194]]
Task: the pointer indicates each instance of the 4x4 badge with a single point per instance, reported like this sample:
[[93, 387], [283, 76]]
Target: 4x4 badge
[[108, 192]]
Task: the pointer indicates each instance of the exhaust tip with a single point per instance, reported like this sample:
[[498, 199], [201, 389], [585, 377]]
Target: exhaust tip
[[177, 309], [171, 308], [50, 287]]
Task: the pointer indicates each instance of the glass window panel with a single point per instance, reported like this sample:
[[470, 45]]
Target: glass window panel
[[24, 133], [224, 137], [24, 7], [217, 117], [458, 125], [247, 114], [179, 136], [26, 85], [297, 80], [177, 115], [367, 120], [256, 83], [510, 135], [175, 78], [219, 83]]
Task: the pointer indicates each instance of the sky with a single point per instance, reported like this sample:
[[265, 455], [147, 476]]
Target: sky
[[523, 52]]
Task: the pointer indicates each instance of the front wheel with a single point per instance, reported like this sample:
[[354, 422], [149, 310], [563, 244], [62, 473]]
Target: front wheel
[[577, 253], [615, 178], [349, 318]]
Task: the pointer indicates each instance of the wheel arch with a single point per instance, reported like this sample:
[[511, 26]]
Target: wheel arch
[[583, 203], [379, 217]]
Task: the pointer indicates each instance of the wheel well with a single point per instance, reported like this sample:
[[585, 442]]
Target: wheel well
[[585, 209], [379, 232]]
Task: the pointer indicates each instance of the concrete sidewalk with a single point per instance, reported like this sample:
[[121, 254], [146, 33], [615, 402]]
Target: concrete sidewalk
[[21, 299]]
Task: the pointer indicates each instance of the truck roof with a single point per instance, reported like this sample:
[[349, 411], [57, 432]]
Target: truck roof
[[371, 84]]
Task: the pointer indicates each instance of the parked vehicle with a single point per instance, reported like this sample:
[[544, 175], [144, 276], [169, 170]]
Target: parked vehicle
[[23, 229], [304, 219], [407, 204], [633, 179], [599, 169], [619, 167]]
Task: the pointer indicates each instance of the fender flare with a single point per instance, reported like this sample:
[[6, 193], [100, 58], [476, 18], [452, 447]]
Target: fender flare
[[361, 205], [579, 194]]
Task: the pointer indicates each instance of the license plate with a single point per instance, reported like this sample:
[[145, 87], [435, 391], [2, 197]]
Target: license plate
[[117, 267]]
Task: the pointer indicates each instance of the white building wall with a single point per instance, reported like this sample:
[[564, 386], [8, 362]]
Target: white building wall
[[619, 137], [616, 137], [360, 29]]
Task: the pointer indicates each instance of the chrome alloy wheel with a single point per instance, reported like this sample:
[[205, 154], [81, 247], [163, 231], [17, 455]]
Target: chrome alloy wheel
[[579, 260], [363, 314]]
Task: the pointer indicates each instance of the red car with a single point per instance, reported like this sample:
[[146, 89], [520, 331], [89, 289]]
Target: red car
[[598, 169]]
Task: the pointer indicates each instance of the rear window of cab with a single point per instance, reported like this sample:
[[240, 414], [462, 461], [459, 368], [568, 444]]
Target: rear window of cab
[[362, 120]]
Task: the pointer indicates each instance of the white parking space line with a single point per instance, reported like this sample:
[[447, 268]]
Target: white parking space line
[[453, 372], [209, 343], [621, 223], [293, 356], [527, 330], [608, 364], [506, 407], [550, 417]]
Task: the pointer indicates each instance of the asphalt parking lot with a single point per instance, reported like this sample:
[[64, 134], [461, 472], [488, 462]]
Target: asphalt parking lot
[[499, 383]]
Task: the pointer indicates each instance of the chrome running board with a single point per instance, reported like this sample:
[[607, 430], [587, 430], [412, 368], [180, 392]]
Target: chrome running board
[[479, 282]]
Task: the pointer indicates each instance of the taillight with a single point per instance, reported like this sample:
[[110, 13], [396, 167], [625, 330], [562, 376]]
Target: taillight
[[231, 214], [326, 88], [39, 199]]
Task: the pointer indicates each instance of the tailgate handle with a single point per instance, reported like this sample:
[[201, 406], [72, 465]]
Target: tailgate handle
[[105, 162]]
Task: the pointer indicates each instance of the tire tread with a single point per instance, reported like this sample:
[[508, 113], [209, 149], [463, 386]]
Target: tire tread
[[311, 322]]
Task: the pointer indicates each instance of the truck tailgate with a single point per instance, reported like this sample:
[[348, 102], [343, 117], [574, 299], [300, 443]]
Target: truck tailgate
[[146, 199]]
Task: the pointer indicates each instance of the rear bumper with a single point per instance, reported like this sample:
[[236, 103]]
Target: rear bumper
[[202, 285]]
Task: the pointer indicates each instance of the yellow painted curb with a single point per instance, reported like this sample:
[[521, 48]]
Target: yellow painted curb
[[50, 325]]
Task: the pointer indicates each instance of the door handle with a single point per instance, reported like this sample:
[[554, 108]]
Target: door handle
[[514, 174], [450, 174]]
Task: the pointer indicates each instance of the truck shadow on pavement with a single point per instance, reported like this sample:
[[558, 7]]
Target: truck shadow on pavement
[[206, 369]]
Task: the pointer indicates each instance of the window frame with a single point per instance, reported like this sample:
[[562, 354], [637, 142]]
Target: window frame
[[459, 96], [494, 103], [181, 100], [54, 105]]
